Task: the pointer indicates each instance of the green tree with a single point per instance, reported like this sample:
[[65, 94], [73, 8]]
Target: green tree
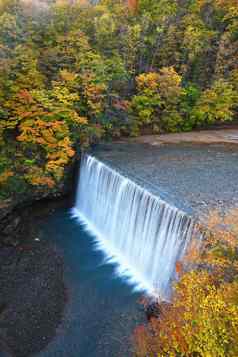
[[216, 104], [158, 99]]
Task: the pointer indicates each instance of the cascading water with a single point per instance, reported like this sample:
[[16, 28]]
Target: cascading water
[[143, 234]]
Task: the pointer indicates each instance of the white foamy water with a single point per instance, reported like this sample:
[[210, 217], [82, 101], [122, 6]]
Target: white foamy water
[[140, 232]]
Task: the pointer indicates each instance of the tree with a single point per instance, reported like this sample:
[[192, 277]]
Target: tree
[[158, 98], [202, 317], [92, 69], [216, 104]]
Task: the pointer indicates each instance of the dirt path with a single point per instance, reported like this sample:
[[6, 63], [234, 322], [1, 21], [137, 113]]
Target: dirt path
[[229, 136]]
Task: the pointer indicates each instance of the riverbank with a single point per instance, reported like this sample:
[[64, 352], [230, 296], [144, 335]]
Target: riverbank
[[32, 295], [217, 136]]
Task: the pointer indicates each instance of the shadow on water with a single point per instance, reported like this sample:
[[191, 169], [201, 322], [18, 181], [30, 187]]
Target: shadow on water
[[102, 310]]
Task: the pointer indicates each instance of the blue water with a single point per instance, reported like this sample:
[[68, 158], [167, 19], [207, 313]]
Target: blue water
[[102, 310]]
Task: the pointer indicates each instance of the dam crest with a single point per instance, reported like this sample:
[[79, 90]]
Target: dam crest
[[137, 230]]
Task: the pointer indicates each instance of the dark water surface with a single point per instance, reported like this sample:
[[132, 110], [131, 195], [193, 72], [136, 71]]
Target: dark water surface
[[102, 310]]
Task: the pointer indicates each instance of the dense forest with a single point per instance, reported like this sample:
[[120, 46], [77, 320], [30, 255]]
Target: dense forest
[[72, 72]]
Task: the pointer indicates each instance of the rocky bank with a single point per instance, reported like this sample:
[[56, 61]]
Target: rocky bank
[[32, 294]]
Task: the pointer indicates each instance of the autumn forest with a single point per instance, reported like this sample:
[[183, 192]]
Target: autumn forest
[[72, 73]]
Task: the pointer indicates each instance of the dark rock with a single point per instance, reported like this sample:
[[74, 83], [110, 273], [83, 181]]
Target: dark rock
[[12, 226], [32, 294], [153, 310], [32, 297]]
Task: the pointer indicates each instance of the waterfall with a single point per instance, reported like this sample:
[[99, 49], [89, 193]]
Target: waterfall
[[139, 231]]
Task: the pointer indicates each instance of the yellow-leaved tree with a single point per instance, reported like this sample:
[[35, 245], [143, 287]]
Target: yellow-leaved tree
[[157, 100]]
